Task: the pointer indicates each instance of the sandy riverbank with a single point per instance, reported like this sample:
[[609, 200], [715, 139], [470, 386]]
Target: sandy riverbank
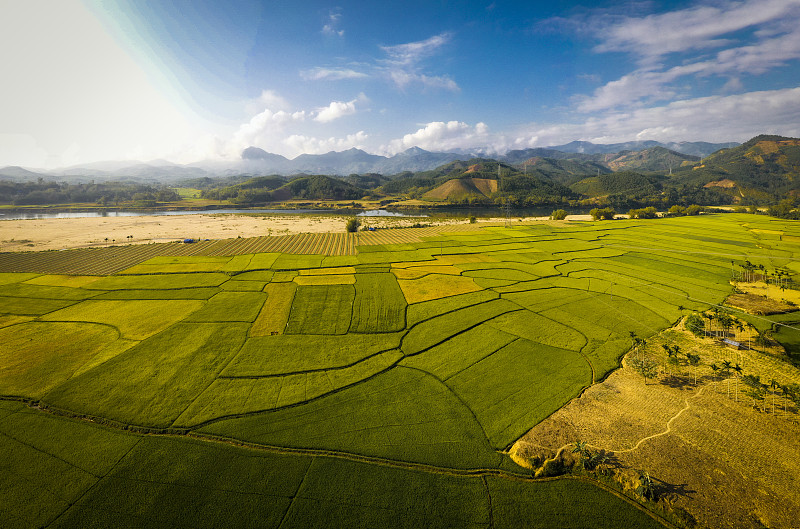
[[57, 234]]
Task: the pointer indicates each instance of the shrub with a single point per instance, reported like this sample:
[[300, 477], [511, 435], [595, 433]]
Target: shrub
[[695, 324], [558, 214], [353, 225], [694, 209], [603, 214], [473, 220], [677, 211], [645, 213]]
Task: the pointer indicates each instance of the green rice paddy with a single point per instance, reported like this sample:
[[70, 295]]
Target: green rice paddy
[[374, 403]]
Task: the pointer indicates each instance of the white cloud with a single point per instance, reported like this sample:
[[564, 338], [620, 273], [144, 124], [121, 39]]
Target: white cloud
[[331, 74], [776, 42], [335, 110], [301, 144], [714, 118], [263, 128], [332, 27], [694, 28], [412, 52], [441, 136], [402, 65]]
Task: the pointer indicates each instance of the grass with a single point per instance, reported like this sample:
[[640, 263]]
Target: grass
[[230, 306], [499, 391], [321, 310], [274, 313], [562, 503], [403, 414], [212, 486], [134, 319], [435, 286], [439, 352], [275, 355], [31, 367], [153, 382], [159, 282], [378, 305]]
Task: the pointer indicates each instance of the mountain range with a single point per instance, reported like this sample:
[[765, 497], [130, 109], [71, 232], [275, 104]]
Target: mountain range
[[258, 162]]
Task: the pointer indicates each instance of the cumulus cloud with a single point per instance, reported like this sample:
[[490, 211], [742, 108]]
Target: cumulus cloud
[[301, 144], [335, 110], [715, 118], [443, 136]]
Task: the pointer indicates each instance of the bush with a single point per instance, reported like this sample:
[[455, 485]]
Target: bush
[[695, 324], [473, 220], [558, 214], [602, 214], [677, 211], [645, 213], [694, 209], [353, 225]]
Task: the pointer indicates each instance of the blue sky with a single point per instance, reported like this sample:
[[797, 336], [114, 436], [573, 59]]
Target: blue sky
[[194, 80]]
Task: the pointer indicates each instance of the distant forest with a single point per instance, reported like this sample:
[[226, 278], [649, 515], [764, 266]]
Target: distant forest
[[111, 193]]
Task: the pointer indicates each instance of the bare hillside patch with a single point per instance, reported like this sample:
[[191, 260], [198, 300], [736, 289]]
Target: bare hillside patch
[[714, 449]]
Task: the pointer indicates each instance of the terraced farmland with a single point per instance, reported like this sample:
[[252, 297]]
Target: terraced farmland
[[251, 383]]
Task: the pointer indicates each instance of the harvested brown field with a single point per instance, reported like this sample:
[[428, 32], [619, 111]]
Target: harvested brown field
[[727, 458], [754, 304]]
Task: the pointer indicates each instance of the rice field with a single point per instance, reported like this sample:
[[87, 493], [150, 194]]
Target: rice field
[[373, 379]]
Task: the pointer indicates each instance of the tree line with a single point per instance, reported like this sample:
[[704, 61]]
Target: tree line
[[109, 193]]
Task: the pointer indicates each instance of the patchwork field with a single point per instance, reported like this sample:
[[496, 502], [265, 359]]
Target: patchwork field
[[243, 385]]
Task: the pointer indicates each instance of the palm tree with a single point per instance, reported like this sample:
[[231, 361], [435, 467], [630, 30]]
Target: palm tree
[[646, 488], [772, 385], [581, 447], [738, 370]]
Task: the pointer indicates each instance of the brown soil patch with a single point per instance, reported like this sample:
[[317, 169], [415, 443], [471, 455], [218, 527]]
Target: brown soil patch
[[725, 183], [755, 304], [709, 450], [487, 186], [473, 168]]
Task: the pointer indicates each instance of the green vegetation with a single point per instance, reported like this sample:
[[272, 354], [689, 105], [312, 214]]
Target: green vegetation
[[392, 392], [352, 225]]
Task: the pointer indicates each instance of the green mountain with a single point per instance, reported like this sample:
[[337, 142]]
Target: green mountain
[[275, 188], [652, 159], [622, 183], [765, 168]]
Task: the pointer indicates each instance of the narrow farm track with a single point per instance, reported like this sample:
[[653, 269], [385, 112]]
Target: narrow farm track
[[668, 429]]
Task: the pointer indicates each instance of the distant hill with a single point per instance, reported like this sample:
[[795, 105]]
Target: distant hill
[[693, 148], [650, 159], [460, 188], [265, 189], [765, 166], [622, 183], [14, 172]]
